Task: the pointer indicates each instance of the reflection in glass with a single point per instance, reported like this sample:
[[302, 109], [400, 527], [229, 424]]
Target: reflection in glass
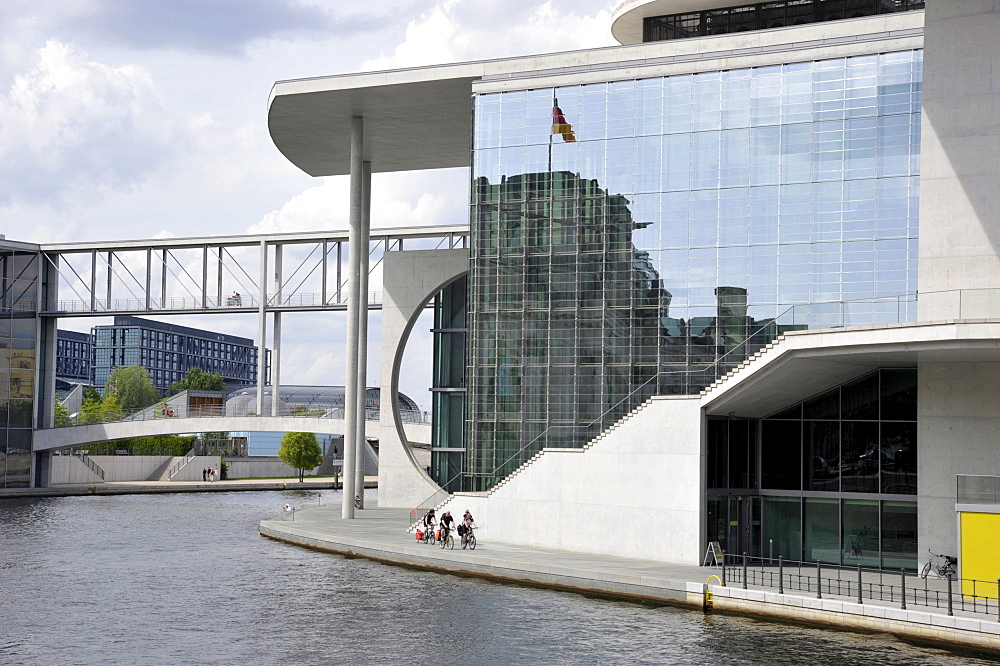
[[782, 528], [861, 533], [899, 535], [821, 527]]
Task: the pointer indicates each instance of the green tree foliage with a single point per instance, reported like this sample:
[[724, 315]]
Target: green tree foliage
[[62, 416], [161, 445], [300, 450], [198, 380], [101, 410], [132, 387]]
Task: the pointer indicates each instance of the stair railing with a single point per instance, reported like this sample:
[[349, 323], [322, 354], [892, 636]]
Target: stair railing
[[175, 470]]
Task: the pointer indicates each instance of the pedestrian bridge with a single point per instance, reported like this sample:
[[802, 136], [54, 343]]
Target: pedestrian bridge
[[84, 435]]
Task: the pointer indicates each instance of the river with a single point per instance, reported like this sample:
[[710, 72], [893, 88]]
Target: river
[[169, 579]]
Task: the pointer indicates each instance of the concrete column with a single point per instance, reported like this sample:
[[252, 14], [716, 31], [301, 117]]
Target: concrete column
[[366, 203], [357, 245], [262, 329], [276, 337]]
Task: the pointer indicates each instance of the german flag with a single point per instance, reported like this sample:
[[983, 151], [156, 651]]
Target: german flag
[[559, 124]]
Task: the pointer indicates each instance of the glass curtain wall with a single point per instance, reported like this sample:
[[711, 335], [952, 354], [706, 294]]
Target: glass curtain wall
[[666, 222], [838, 474], [448, 390], [18, 325]]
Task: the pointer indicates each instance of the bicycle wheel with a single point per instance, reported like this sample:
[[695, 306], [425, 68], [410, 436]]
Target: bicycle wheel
[[472, 542], [449, 541], [465, 542], [926, 570], [443, 541]]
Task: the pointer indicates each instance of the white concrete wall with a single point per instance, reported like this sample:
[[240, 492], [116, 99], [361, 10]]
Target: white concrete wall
[[409, 279], [192, 471], [70, 469], [959, 169], [261, 468], [129, 468], [637, 492], [958, 421]]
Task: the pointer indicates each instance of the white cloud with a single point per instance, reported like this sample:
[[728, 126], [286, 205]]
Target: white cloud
[[411, 199], [72, 125], [453, 30]]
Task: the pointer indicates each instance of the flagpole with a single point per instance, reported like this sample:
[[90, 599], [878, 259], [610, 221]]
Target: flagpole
[[555, 103]]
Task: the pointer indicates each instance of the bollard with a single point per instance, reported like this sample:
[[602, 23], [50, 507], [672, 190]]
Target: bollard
[[949, 595], [320, 500], [745, 571], [770, 552], [902, 578], [781, 577], [819, 581], [861, 599]]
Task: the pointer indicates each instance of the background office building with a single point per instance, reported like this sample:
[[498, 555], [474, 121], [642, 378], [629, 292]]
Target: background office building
[[74, 356], [168, 351]]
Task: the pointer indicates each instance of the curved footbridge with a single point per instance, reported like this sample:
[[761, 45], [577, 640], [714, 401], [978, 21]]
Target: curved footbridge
[[82, 435], [381, 534]]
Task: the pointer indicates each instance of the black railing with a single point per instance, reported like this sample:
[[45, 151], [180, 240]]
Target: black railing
[[859, 583]]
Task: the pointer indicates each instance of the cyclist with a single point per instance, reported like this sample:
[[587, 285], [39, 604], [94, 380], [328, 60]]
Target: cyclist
[[429, 522], [466, 526], [446, 522]]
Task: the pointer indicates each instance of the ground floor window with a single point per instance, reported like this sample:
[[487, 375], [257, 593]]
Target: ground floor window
[[831, 478]]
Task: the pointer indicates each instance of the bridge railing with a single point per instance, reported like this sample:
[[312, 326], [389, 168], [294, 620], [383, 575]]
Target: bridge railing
[[168, 412], [233, 301]]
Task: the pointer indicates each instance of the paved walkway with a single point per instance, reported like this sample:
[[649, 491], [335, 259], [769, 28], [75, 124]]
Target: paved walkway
[[381, 534], [150, 487]]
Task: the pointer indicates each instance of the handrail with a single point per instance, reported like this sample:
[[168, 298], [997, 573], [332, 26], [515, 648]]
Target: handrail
[[175, 470], [420, 506], [94, 467]]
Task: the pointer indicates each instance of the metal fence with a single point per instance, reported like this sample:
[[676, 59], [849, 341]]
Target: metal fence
[[159, 412], [858, 583]]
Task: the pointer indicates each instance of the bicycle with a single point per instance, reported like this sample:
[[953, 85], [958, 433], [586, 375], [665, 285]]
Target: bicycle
[[447, 540], [469, 539], [428, 534], [945, 570]]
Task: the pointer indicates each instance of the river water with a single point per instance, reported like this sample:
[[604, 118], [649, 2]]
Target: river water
[[170, 579]]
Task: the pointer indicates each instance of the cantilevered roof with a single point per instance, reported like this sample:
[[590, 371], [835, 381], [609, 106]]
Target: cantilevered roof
[[414, 119], [421, 118]]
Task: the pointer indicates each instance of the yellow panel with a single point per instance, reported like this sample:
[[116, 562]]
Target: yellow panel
[[979, 556]]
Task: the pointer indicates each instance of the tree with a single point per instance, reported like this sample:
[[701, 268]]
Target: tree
[[101, 410], [198, 380], [300, 450], [132, 387]]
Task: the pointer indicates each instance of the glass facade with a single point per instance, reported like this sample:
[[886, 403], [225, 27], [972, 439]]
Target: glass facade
[[18, 326], [766, 15], [681, 224], [838, 475], [74, 352], [449, 390], [167, 351]]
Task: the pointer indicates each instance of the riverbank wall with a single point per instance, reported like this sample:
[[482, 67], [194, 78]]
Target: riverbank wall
[[380, 534], [158, 487]]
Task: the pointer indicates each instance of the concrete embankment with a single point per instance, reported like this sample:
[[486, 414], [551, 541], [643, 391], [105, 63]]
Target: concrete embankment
[[380, 534], [154, 487]]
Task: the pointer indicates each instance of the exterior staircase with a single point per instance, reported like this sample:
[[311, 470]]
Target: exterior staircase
[[740, 369], [617, 424], [160, 473]]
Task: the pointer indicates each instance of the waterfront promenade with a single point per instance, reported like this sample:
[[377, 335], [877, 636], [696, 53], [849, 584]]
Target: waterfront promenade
[[381, 534]]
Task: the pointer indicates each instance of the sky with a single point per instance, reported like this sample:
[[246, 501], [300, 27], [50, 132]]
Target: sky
[[132, 119]]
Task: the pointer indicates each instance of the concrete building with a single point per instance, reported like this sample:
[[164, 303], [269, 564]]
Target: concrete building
[[738, 285], [733, 280]]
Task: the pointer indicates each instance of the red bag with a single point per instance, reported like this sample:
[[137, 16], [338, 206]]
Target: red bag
[[420, 535], [438, 535]]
